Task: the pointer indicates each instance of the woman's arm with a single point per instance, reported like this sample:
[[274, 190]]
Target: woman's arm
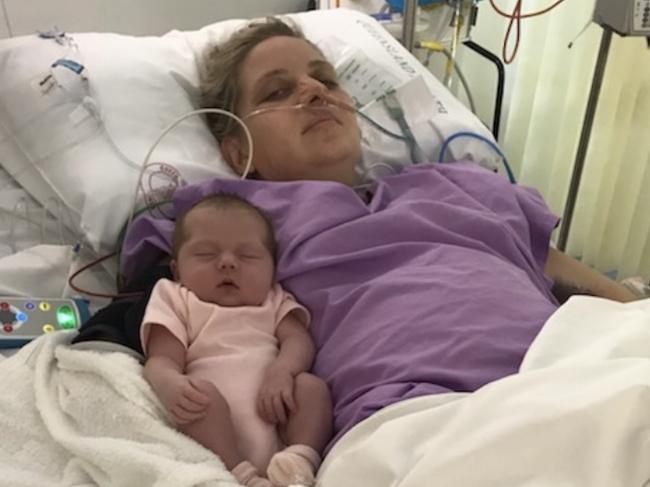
[[567, 272]]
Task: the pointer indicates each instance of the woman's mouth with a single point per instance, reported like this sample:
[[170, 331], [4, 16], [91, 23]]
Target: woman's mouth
[[320, 120]]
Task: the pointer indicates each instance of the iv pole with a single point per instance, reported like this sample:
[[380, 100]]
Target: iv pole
[[583, 144]]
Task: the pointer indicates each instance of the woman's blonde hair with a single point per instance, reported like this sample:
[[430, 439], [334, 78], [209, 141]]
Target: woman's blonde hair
[[220, 76]]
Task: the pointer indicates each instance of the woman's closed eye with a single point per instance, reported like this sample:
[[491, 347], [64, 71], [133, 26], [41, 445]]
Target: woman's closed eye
[[277, 91], [284, 91]]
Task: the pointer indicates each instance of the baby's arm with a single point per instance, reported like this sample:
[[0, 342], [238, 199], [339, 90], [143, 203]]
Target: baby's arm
[[297, 349], [164, 369], [296, 355]]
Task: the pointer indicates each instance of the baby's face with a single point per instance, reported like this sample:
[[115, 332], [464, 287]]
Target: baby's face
[[224, 259]]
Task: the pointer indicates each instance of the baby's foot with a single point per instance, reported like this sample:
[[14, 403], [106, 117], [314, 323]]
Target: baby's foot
[[246, 474], [296, 464]]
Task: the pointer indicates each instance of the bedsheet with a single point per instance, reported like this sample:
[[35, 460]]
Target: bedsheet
[[577, 414]]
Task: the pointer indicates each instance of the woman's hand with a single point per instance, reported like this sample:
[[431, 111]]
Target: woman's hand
[[275, 399], [570, 273]]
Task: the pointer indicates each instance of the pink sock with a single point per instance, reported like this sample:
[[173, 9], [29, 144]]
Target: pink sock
[[246, 474], [296, 464]]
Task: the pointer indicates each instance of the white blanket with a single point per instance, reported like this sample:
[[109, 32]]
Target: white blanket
[[83, 418], [578, 414]]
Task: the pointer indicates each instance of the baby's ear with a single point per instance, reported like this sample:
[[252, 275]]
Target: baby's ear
[[232, 150], [174, 268]]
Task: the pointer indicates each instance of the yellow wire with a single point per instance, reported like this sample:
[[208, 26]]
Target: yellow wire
[[432, 46]]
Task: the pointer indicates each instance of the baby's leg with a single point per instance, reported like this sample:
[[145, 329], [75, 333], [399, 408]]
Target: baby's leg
[[311, 424], [307, 432], [216, 432]]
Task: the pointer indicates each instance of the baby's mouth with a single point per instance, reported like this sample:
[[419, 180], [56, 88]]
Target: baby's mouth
[[228, 283]]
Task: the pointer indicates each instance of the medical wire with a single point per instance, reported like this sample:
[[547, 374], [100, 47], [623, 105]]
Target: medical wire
[[437, 47], [12, 224], [5, 14], [59, 220], [463, 80], [170, 127], [249, 139], [134, 213], [381, 128], [117, 254], [457, 22], [329, 102], [473, 135], [515, 19], [92, 293], [40, 223]]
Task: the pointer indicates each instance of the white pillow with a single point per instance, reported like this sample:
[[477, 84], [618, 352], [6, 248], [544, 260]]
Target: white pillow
[[55, 146], [84, 144]]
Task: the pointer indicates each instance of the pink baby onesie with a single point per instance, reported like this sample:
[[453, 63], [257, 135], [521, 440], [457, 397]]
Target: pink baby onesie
[[231, 347]]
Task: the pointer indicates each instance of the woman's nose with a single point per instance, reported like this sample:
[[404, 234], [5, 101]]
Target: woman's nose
[[312, 91]]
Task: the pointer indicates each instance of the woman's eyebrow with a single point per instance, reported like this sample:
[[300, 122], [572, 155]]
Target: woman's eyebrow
[[313, 64], [259, 83], [321, 64]]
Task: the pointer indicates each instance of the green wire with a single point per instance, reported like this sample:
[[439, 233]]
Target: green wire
[[382, 129]]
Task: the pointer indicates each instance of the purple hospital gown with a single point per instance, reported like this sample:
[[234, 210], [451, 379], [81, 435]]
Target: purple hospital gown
[[435, 285]]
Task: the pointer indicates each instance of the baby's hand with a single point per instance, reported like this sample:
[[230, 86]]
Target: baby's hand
[[186, 399], [276, 395]]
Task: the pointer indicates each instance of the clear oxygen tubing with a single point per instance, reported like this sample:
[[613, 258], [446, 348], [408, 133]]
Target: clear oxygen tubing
[[170, 127], [327, 103]]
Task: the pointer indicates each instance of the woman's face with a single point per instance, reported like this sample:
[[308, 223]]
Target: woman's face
[[321, 144]]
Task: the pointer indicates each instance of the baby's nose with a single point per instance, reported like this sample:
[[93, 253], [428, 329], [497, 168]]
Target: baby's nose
[[227, 261]]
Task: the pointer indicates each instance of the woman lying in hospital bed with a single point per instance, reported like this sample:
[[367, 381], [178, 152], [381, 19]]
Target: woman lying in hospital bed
[[427, 284], [433, 280]]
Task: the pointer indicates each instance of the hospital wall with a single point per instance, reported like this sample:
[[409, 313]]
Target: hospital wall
[[144, 17]]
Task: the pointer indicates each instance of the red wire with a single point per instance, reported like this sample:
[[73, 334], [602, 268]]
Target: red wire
[[515, 19], [525, 16], [94, 294]]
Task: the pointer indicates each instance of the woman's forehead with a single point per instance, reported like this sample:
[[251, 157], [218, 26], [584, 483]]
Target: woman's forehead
[[278, 54]]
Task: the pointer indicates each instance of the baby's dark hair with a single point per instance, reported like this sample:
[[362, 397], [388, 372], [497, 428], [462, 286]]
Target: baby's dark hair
[[223, 200]]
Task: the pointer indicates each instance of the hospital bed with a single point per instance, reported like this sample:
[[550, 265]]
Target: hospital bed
[[577, 414]]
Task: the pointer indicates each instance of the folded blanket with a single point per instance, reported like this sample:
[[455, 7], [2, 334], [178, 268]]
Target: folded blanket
[[81, 418]]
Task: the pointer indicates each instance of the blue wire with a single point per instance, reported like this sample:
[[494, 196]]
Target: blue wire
[[494, 147]]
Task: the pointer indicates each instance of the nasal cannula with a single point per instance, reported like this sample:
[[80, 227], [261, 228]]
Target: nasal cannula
[[328, 102]]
